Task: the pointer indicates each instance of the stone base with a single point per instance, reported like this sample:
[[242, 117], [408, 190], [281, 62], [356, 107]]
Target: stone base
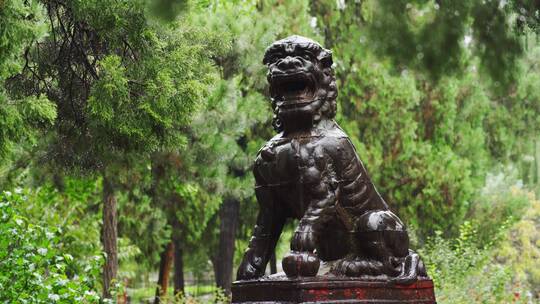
[[330, 290]]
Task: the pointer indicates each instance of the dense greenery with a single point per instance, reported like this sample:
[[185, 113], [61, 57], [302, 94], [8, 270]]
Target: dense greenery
[[20, 24], [128, 130], [35, 267]]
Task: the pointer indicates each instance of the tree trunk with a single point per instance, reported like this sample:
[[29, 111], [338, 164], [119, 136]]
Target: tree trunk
[[229, 213], [178, 264], [109, 237], [273, 263], [165, 264]]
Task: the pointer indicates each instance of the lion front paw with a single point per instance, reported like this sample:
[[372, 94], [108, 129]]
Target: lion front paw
[[246, 271], [304, 239], [405, 279], [251, 266], [303, 264]]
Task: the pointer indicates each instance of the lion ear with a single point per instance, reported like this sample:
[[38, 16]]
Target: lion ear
[[266, 58], [325, 57]]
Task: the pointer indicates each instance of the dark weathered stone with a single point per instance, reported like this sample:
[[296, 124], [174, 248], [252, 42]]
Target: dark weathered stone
[[310, 171]]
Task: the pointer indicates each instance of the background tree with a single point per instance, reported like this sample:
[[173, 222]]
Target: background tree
[[245, 115], [21, 23], [435, 160], [144, 104], [122, 86], [424, 130]]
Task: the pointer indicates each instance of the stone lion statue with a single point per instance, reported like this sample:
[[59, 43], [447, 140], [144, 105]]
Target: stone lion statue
[[310, 171]]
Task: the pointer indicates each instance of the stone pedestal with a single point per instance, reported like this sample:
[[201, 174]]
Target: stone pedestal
[[327, 290]]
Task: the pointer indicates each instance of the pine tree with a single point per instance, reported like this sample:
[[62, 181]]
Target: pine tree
[[21, 23], [123, 84]]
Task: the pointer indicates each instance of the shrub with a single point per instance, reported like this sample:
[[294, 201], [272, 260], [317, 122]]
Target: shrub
[[466, 273], [218, 296], [495, 258], [501, 203], [32, 269], [521, 250]]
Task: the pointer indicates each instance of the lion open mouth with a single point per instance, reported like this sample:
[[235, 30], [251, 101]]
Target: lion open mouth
[[292, 89]]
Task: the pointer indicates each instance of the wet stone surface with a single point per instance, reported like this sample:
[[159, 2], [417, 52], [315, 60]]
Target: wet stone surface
[[348, 247]]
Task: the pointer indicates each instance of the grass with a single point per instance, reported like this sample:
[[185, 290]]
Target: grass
[[145, 294]]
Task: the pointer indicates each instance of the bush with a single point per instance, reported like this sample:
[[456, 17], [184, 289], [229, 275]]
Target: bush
[[521, 250], [495, 258], [218, 296], [32, 269], [501, 203], [466, 273]]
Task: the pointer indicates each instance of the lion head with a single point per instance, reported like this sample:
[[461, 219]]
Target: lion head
[[302, 83]]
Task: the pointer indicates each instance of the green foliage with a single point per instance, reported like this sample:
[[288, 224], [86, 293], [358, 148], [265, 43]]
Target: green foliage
[[72, 211], [143, 105], [142, 225], [20, 119], [520, 249], [428, 134], [129, 86], [177, 110], [167, 10], [423, 143], [464, 273], [33, 268], [513, 118], [217, 296], [439, 36], [21, 23], [494, 258], [501, 203], [124, 86]]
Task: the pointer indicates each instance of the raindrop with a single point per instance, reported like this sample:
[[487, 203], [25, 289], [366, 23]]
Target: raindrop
[[420, 56], [436, 6]]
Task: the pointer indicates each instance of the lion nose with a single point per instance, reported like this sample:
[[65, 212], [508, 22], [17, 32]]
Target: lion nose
[[289, 63]]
